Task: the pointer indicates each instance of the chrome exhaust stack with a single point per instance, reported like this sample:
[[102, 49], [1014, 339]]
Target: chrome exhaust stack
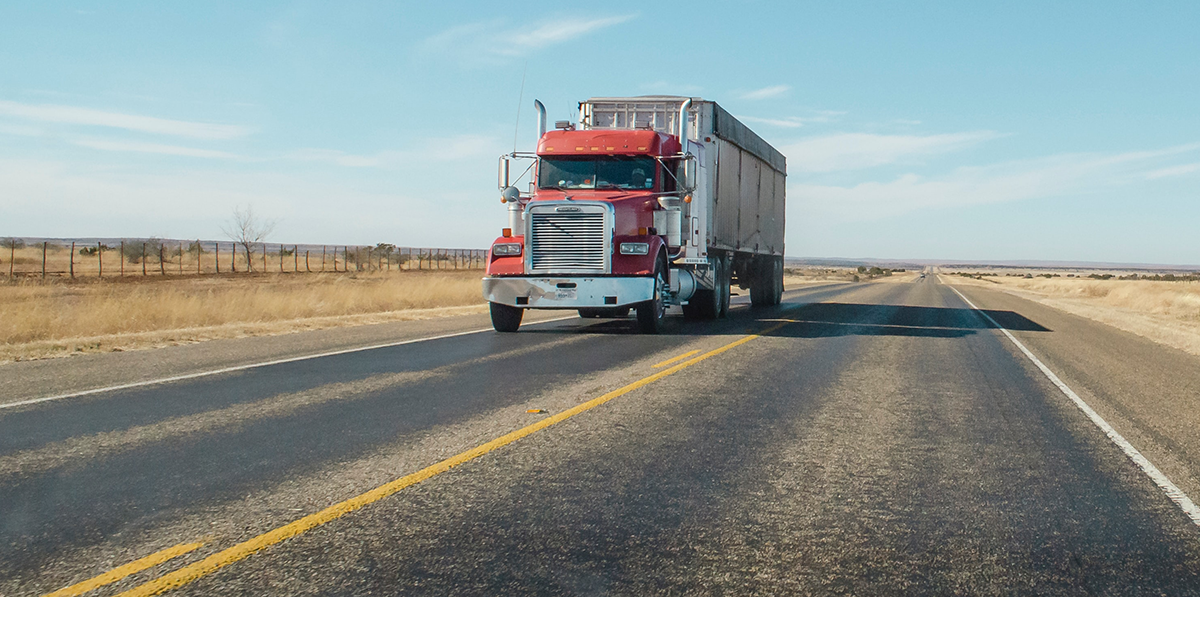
[[541, 117]]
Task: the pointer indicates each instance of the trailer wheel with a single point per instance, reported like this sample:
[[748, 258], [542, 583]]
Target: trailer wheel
[[590, 313], [506, 318], [777, 280], [650, 313], [762, 285]]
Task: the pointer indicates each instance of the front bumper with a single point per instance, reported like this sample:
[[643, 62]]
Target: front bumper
[[551, 292]]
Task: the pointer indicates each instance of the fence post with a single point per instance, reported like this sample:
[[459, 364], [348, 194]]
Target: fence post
[[12, 254], [306, 267], [181, 258], [322, 258], [217, 255], [233, 258], [100, 259], [43, 261], [162, 264], [280, 257], [72, 260], [264, 250], [143, 259], [295, 258], [122, 258], [199, 251]]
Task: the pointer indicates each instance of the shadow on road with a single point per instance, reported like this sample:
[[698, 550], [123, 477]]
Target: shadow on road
[[832, 319], [835, 319]]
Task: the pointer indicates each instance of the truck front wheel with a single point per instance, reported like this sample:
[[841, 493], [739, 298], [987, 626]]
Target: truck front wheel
[[506, 318], [650, 314]]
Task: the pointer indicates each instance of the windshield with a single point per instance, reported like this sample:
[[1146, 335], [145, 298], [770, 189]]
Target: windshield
[[635, 173]]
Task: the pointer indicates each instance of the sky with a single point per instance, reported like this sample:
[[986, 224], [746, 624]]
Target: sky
[[937, 130]]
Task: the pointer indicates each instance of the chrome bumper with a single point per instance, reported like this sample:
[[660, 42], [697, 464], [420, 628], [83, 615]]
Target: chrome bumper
[[550, 292]]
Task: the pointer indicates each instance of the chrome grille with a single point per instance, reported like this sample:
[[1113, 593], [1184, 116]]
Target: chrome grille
[[568, 243]]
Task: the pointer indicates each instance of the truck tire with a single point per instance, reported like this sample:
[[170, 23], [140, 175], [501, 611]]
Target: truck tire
[[762, 284], [706, 303], [650, 314], [506, 318], [724, 280], [777, 280]]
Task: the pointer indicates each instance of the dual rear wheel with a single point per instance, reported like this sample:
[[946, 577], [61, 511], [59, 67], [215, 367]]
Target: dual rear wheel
[[712, 303], [766, 281]]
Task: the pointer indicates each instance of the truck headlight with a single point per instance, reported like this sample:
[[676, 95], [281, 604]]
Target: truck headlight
[[636, 249], [506, 249]]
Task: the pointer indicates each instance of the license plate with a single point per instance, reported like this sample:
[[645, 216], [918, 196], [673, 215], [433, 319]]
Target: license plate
[[565, 294]]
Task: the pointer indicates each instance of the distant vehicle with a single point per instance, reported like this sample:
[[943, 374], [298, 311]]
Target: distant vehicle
[[644, 203]]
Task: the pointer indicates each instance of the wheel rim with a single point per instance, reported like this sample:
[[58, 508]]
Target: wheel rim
[[660, 304]]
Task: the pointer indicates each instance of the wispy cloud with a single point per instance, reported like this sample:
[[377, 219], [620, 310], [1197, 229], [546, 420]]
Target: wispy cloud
[[765, 93], [20, 130], [794, 122], [497, 40], [852, 151], [150, 147], [559, 31], [980, 186], [70, 115], [1173, 171], [446, 149]]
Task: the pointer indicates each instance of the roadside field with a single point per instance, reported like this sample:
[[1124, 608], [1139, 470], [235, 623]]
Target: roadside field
[[60, 318], [1165, 312]]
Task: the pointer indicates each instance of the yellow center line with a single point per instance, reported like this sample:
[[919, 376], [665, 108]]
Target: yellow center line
[[125, 570], [240, 551], [670, 361]]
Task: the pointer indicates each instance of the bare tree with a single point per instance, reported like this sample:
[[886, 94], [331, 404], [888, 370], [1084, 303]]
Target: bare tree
[[247, 229]]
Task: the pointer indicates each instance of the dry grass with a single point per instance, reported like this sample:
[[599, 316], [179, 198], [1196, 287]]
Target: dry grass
[[803, 275], [1166, 312], [58, 318]]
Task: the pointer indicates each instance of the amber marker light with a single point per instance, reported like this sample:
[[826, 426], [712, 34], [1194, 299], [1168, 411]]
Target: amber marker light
[[687, 199], [506, 232], [642, 232]]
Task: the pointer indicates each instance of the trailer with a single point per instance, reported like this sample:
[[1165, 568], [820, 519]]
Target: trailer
[[642, 203]]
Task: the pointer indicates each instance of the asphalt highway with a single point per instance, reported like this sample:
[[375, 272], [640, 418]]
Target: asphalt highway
[[859, 439]]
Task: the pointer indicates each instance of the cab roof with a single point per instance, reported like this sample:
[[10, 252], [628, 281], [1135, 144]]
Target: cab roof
[[607, 142]]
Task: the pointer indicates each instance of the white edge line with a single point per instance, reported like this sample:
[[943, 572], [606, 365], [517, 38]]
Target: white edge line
[[1170, 489], [251, 366]]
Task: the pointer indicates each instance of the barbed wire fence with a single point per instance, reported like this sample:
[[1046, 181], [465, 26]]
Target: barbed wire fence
[[127, 258]]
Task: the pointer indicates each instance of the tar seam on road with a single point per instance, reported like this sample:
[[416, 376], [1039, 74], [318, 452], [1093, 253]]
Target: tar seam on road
[[240, 551], [125, 570], [248, 366], [1170, 489]]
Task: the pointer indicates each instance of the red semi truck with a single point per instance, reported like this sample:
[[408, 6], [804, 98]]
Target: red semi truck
[[643, 203]]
